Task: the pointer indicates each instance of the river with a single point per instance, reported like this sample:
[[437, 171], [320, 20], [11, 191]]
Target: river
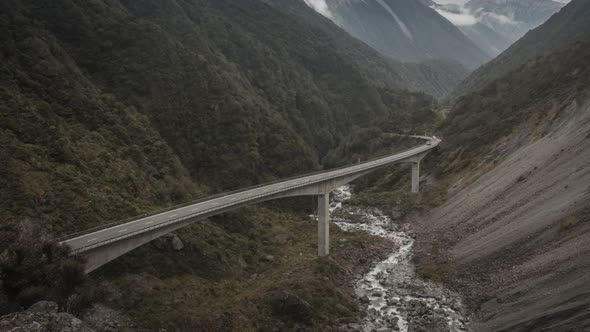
[[394, 298]]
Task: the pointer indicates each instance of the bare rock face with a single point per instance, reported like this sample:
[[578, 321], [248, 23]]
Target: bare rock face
[[169, 242], [42, 316]]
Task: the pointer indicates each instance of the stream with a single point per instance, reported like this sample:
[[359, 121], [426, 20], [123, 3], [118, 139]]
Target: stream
[[395, 299]]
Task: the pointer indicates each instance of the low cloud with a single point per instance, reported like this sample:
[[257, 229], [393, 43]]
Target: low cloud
[[459, 15], [320, 6], [463, 18], [502, 19]]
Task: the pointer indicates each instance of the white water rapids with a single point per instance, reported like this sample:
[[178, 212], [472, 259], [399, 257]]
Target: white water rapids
[[395, 299]]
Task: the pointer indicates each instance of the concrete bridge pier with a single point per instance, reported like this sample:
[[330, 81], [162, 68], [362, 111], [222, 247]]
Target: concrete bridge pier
[[416, 160], [324, 224], [415, 178]]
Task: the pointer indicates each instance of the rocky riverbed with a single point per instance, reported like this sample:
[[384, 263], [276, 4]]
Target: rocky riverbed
[[394, 298]]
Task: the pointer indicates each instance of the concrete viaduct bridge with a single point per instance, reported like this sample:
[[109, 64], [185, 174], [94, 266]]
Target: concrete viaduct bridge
[[106, 243]]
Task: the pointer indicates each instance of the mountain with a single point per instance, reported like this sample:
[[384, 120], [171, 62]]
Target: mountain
[[405, 30], [513, 18], [114, 108], [559, 33], [488, 39], [434, 77], [513, 231], [496, 24], [208, 95]]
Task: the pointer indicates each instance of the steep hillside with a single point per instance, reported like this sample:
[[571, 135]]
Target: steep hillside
[[109, 109], [513, 18], [434, 77], [113, 108], [560, 31], [486, 38], [405, 30], [496, 24], [534, 94], [515, 239], [73, 155], [514, 229]]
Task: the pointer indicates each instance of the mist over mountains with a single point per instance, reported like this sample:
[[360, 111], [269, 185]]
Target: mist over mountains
[[495, 24], [419, 30], [405, 30]]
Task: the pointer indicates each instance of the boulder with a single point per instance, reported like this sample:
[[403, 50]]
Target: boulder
[[168, 242], [365, 299], [290, 306], [44, 307], [268, 258], [177, 243]]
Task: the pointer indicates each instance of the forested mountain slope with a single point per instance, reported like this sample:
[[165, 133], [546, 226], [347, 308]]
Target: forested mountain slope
[[406, 30], [110, 108], [494, 25], [436, 77], [557, 34]]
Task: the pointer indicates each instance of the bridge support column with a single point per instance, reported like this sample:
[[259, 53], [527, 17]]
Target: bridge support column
[[324, 224], [416, 177]]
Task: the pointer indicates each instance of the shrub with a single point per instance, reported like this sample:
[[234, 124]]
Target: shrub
[[33, 268], [568, 223]]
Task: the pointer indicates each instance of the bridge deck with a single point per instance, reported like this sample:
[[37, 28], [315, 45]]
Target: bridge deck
[[207, 207]]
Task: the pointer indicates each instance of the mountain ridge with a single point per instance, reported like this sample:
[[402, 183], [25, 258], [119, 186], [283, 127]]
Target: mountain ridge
[[512, 231], [408, 31], [560, 31], [495, 25]]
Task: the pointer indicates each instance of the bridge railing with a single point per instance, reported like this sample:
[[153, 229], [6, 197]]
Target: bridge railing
[[204, 199]]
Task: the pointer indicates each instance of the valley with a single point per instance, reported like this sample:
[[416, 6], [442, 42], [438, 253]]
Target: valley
[[145, 120]]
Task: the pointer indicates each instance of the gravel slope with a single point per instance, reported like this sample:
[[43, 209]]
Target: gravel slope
[[519, 234]]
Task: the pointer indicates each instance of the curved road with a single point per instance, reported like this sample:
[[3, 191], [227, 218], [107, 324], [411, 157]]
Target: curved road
[[115, 233]]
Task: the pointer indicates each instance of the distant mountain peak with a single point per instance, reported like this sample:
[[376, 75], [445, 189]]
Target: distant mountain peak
[[407, 30], [495, 24]]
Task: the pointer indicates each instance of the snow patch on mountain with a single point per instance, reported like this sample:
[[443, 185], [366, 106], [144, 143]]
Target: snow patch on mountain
[[320, 6], [401, 24]]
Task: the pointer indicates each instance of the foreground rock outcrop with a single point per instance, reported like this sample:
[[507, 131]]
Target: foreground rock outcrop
[[42, 316]]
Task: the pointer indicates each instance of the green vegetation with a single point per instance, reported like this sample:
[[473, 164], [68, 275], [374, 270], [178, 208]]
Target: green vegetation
[[368, 143], [568, 223], [109, 109], [33, 268], [434, 271], [249, 270], [528, 99]]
